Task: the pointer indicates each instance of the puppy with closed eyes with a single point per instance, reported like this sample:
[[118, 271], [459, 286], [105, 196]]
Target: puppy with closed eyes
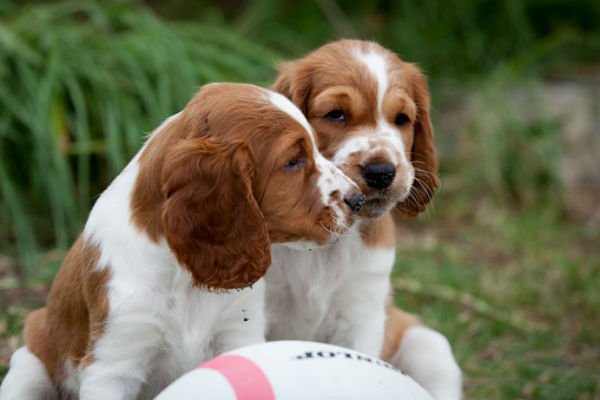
[[371, 113]]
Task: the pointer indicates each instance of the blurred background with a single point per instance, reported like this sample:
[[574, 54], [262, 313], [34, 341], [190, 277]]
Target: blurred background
[[507, 261]]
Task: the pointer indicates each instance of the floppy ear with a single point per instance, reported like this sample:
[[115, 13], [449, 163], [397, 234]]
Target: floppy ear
[[294, 82], [423, 153], [210, 217]]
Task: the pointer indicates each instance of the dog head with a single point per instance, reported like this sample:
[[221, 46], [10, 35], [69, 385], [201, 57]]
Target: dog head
[[235, 171], [371, 114]]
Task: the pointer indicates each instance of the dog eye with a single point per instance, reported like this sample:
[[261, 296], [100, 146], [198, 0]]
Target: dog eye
[[336, 116], [295, 164], [401, 119]]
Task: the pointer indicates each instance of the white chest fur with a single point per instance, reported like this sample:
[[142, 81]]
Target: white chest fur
[[329, 294]]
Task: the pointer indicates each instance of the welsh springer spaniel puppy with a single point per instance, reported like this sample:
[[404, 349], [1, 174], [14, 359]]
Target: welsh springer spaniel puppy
[[371, 114], [142, 296]]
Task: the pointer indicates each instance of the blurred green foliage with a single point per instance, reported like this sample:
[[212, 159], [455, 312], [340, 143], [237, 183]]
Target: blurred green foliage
[[449, 39], [82, 81], [517, 152], [81, 85]]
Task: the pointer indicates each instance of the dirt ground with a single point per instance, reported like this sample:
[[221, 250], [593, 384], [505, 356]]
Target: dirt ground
[[16, 301]]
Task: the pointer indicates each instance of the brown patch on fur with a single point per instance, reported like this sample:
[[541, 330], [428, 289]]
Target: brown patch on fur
[[302, 80], [380, 233], [396, 324], [147, 197], [222, 249], [75, 315], [423, 152]]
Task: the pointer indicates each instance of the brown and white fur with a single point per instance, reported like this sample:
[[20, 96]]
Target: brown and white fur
[[142, 295], [370, 111]]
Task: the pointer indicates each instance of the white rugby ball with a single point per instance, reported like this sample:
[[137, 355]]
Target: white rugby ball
[[294, 370]]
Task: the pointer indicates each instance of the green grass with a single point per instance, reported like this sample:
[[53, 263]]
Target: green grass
[[517, 294]]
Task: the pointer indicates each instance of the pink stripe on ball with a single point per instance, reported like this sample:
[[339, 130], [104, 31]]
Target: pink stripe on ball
[[246, 378]]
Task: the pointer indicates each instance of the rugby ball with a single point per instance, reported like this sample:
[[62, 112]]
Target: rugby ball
[[294, 370]]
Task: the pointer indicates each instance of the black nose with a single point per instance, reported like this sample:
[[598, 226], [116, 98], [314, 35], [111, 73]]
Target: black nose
[[355, 201], [379, 176]]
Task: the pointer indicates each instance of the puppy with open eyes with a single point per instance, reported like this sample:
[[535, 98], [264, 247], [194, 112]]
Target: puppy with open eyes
[[370, 111], [142, 296]]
